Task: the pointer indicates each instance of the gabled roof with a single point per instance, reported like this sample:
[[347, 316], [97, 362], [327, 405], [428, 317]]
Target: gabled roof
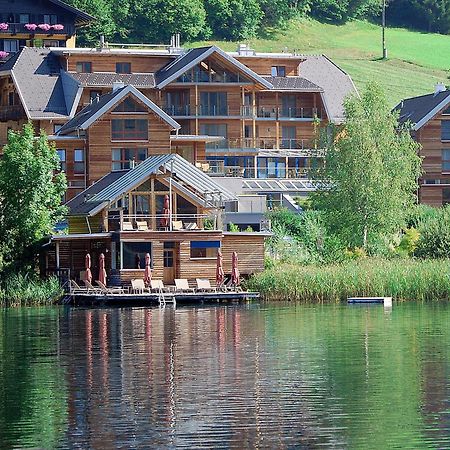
[[88, 115], [106, 79], [293, 84], [36, 75], [336, 83], [190, 180], [196, 55], [80, 15], [419, 110]]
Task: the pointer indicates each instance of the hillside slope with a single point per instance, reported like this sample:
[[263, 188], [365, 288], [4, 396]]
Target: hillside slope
[[417, 61]]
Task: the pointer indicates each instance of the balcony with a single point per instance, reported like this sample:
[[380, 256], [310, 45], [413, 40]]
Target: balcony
[[178, 110], [19, 28], [263, 143], [14, 112], [216, 77], [288, 113]]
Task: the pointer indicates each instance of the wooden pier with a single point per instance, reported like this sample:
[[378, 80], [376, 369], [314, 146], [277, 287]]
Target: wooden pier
[[150, 299], [386, 301]]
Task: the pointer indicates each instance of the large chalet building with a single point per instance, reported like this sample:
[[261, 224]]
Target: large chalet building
[[429, 119]]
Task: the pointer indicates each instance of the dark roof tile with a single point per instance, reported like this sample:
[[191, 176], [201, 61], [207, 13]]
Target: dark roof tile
[[144, 80], [293, 83]]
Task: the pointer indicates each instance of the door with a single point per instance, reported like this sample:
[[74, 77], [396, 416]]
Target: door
[[288, 140], [170, 257]]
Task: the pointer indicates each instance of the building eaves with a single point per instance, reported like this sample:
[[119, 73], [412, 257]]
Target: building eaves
[[292, 84], [107, 79], [77, 12]]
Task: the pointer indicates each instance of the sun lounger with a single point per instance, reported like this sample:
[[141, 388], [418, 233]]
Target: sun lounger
[[158, 286], [76, 289], [109, 290], [142, 225], [204, 285], [127, 226], [182, 285], [138, 287], [92, 289], [190, 226]]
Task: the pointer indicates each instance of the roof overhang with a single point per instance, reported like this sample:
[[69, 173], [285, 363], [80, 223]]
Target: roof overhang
[[80, 236], [192, 138], [431, 114]]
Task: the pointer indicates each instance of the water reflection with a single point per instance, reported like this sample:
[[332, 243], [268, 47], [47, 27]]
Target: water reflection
[[236, 377]]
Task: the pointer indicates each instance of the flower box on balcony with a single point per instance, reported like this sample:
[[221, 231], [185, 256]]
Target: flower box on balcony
[[44, 26], [30, 26], [58, 27], [3, 54], [3, 26]]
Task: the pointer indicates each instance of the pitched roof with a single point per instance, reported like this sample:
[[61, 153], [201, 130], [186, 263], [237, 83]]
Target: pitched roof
[[88, 115], [102, 79], [336, 83], [194, 56], [190, 180], [36, 74], [419, 110], [293, 84], [82, 204], [81, 15]]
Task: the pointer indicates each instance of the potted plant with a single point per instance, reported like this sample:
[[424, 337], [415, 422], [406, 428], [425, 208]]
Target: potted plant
[[58, 27], [3, 26], [3, 54], [30, 26], [44, 26]]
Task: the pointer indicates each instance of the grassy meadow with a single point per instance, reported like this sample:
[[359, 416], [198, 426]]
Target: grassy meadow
[[416, 60], [402, 279]]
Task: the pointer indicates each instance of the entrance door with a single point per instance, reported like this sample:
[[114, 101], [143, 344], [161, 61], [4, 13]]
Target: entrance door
[[170, 257]]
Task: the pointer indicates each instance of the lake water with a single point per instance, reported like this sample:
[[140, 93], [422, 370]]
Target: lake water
[[259, 376]]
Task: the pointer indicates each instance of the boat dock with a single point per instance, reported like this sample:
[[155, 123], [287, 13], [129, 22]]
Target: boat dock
[[386, 301], [151, 299]]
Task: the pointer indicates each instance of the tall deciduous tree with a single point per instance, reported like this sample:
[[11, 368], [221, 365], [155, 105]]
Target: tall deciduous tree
[[30, 192], [368, 181]]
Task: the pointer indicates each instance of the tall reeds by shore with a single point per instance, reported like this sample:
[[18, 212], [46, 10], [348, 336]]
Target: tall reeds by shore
[[403, 279]]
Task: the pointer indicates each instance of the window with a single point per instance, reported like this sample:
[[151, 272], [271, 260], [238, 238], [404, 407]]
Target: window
[[204, 249], [445, 130], [50, 43], [446, 111], [133, 256], [123, 67], [445, 196], [24, 18], [129, 129], [51, 19], [94, 95], [213, 103], [84, 67], [12, 99], [278, 71], [122, 157], [446, 160], [215, 129], [129, 106], [56, 127], [11, 45], [62, 158], [78, 161]]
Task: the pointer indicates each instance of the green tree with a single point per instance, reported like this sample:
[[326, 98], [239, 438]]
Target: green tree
[[339, 11], [233, 19], [368, 181], [30, 193]]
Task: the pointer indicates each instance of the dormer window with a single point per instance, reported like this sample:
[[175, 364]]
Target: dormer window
[[123, 67], [84, 67], [278, 71]]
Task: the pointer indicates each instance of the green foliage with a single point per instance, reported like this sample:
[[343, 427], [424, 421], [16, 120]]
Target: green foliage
[[30, 194], [339, 11], [408, 242], [233, 228], [369, 177], [249, 229], [304, 202], [410, 279]]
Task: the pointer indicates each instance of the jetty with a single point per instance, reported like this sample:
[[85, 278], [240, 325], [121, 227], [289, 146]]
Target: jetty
[[386, 301]]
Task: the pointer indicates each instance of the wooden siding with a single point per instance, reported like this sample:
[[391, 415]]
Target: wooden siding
[[263, 66], [250, 250]]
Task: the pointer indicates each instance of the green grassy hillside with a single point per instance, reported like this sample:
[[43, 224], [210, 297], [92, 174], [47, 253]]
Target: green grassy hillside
[[417, 61]]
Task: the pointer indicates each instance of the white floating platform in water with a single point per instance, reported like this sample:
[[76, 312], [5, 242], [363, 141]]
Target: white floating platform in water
[[386, 301]]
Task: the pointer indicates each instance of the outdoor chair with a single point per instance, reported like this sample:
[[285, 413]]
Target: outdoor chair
[[158, 286], [182, 285], [109, 290], [204, 285], [142, 225], [92, 289], [177, 225], [138, 287], [76, 289], [127, 226], [190, 226]]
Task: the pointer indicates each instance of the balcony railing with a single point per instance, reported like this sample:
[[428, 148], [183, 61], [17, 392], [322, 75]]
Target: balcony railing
[[178, 110], [288, 113], [160, 222], [217, 77], [213, 110], [19, 28], [14, 112], [263, 143]]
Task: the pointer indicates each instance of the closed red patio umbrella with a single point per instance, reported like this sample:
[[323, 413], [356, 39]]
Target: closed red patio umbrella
[[87, 268], [148, 270], [165, 212], [235, 270], [220, 276], [102, 270]]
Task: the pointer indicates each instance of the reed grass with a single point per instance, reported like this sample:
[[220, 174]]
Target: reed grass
[[402, 279], [22, 290]]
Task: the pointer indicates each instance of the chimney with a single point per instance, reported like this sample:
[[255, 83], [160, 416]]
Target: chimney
[[245, 50], [117, 85], [439, 87], [102, 41]]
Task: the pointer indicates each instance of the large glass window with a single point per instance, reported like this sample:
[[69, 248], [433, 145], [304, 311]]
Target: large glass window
[[129, 129], [130, 106], [204, 249], [215, 129], [11, 45], [78, 161], [62, 158], [124, 158], [213, 103], [446, 160], [445, 130], [133, 256]]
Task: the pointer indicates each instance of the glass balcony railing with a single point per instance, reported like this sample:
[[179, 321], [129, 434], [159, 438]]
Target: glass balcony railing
[[178, 110], [288, 113]]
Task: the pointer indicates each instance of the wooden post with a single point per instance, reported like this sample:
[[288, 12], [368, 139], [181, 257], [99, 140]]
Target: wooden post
[[57, 254], [196, 110], [242, 116], [254, 116]]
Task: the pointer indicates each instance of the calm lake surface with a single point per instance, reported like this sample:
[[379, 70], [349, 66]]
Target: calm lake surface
[[260, 376]]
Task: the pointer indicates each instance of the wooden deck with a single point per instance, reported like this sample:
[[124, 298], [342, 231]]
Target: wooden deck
[[149, 299]]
